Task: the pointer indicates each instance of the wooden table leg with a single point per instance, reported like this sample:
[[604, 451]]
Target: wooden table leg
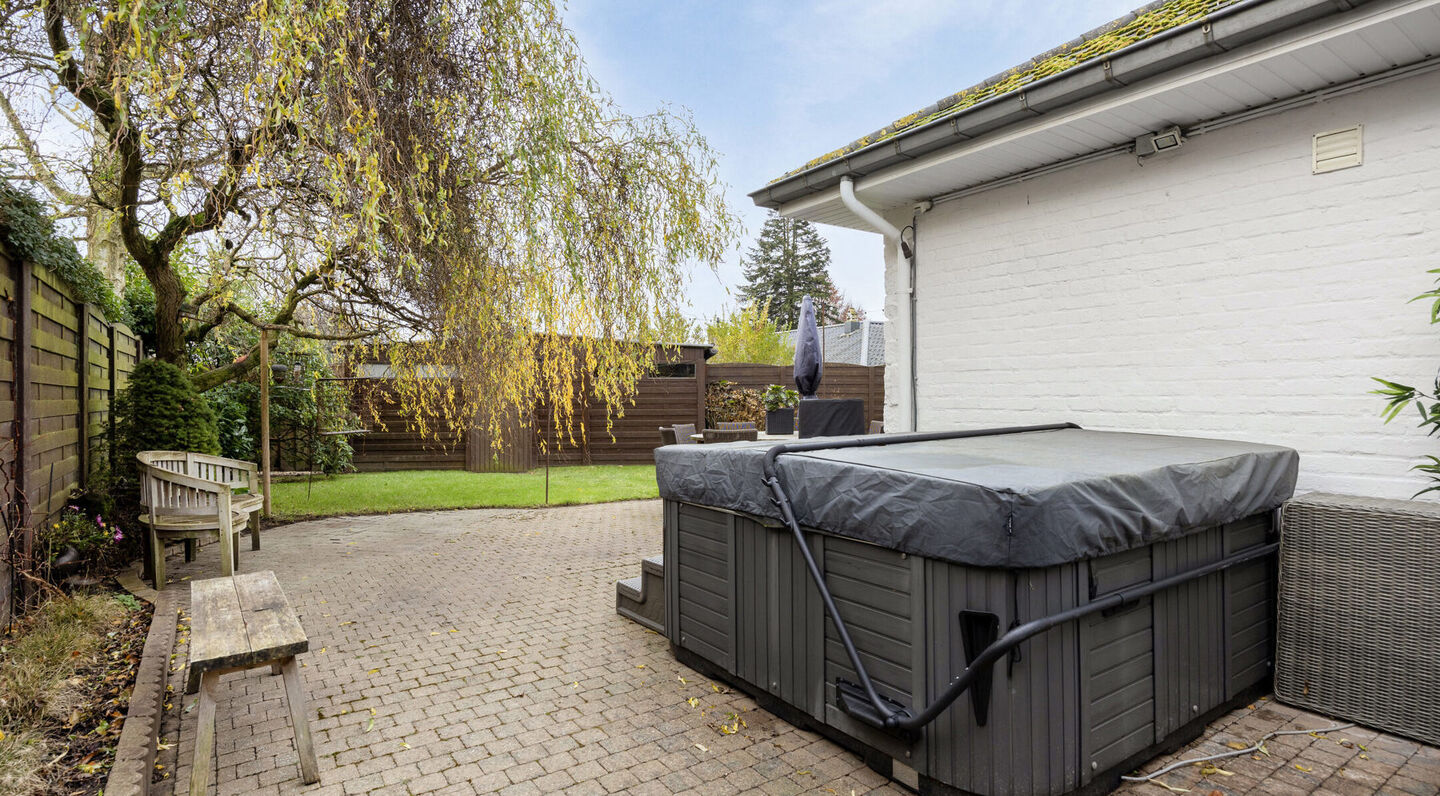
[[300, 719], [205, 736], [255, 530]]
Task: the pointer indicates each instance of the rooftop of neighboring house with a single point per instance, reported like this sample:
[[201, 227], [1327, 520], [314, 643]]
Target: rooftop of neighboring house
[[850, 343]]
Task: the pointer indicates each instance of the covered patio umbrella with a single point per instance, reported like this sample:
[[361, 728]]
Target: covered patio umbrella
[[808, 368]]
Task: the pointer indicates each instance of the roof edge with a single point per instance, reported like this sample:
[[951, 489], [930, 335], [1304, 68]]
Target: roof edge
[[1215, 33]]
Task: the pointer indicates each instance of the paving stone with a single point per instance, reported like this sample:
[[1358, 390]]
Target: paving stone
[[487, 646]]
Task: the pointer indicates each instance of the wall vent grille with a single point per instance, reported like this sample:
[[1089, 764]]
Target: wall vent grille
[[1338, 149]]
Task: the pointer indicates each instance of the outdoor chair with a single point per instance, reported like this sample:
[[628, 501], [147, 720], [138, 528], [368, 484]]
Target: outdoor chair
[[730, 435], [735, 425], [683, 433], [877, 427], [190, 496], [667, 435]]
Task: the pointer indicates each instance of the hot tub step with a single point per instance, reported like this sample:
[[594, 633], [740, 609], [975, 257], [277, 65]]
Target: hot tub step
[[642, 599]]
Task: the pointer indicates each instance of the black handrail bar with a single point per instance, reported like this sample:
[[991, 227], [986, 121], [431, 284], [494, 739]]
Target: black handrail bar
[[886, 717]]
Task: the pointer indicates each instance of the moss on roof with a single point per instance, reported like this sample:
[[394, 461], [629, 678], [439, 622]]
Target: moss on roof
[[1137, 26]]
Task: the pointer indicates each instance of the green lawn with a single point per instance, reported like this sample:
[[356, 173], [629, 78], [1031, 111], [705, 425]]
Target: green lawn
[[419, 490]]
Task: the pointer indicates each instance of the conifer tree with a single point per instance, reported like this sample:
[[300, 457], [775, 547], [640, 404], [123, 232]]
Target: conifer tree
[[789, 261]]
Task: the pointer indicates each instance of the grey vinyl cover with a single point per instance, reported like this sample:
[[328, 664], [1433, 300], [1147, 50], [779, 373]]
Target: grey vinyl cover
[[1031, 499]]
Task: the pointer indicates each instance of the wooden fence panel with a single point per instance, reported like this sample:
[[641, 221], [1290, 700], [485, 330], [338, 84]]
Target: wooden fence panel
[[60, 365], [838, 381], [396, 443]]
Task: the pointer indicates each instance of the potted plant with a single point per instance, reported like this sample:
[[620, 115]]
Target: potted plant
[[780, 409]]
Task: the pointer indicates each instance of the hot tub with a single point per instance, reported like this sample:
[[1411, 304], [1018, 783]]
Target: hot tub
[[1030, 610]]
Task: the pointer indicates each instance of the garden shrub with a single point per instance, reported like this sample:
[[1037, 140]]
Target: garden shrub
[[160, 410]]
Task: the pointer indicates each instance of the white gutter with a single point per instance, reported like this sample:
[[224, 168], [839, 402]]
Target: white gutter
[[906, 323]]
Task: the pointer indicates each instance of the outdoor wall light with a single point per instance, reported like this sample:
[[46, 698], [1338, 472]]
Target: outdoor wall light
[[1155, 143]]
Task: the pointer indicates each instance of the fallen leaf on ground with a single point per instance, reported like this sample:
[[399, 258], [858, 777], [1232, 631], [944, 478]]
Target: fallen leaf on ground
[[694, 703], [1237, 745], [702, 747], [1170, 788], [1299, 767]]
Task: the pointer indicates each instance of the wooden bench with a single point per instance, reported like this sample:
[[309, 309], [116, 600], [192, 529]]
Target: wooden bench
[[191, 496], [238, 623]]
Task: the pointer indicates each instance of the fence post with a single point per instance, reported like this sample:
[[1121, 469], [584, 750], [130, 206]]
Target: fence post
[[22, 429], [114, 392], [265, 419], [82, 366]]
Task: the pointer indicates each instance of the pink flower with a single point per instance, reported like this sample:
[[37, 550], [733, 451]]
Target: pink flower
[[99, 520], [118, 535]]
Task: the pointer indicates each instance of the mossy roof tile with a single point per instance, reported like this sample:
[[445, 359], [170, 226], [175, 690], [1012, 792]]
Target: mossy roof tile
[[1137, 26]]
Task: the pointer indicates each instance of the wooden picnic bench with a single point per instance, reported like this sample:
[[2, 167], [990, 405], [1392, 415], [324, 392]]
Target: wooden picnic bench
[[191, 496], [238, 623]]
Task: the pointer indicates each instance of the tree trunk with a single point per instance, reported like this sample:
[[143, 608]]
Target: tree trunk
[[104, 246], [169, 326]]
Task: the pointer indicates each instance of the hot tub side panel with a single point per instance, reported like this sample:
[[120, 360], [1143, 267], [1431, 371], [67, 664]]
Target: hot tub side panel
[[777, 639], [1250, 608], [881, 597], [1151, 673], [777, 650], [699, 614], [1028, 743]]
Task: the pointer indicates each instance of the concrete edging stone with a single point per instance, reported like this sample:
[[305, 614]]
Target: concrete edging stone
[[135, 753]]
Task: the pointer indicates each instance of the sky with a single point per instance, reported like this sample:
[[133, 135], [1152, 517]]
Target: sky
[[774, 84]]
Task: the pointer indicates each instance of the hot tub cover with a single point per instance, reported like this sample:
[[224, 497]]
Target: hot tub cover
[[1031, 499]]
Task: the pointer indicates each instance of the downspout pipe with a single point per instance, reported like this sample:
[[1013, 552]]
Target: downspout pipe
[[907, 304]]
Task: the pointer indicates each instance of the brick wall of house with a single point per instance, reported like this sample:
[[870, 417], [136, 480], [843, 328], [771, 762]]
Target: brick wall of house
[[1223, 291]]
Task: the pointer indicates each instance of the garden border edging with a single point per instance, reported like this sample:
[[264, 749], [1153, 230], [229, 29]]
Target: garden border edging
[[135, 753]]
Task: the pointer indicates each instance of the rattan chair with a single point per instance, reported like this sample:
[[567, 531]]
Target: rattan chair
[[877, 427], [667, 435], [735, 425], [683, 433]]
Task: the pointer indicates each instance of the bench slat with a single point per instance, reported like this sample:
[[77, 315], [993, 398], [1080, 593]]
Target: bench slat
[[271, 622], [217, 631]]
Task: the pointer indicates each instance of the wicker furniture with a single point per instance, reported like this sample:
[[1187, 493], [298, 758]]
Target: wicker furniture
[[1359, 615], [683, 433], [877, 427], [667, 435], [735, 425]]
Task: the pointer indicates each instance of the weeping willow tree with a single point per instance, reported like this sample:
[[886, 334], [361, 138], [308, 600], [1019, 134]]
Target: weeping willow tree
[[438, 178]]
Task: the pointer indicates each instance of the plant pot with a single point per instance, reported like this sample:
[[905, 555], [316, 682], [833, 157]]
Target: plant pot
[[780, 421]]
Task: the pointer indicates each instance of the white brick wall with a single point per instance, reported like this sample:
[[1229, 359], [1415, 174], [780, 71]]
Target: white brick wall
[[1221, 291]]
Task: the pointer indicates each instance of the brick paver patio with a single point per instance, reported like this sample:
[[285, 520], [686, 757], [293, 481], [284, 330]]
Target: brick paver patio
[[478, 651]]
